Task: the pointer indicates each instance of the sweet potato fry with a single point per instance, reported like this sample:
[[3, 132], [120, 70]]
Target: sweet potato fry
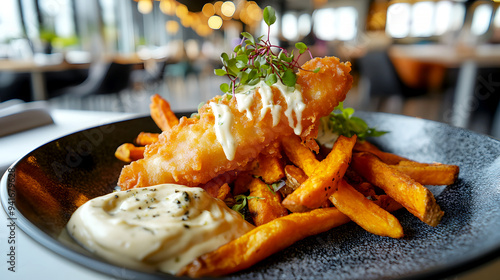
[[299, 154], [365, 189], [213, 186], [323, 181], [128, 152], [161, 113], [266, 209], [429, 173], [365, 146], [224, 190], [264, 241], [365, 212], [269, 168], [146, 138], [417, 199], [387, 202]]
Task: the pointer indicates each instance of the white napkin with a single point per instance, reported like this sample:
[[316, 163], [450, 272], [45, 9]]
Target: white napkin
[[16, 116]]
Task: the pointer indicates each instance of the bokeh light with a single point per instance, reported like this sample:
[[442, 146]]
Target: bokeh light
[[215, 22], [208, 10], [145, 6], [172, 26], [228, 8]]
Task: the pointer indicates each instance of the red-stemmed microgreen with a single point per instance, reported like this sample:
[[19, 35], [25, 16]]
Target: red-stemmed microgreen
[[255, 60]]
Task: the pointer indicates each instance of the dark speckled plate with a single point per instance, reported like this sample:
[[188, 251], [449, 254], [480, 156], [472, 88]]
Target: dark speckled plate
[[49, 183]]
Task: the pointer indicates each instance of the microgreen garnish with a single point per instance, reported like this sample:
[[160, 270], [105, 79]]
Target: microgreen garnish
[[342, 122], [274, 187], [254, 60], [271, 189], [240, 205]]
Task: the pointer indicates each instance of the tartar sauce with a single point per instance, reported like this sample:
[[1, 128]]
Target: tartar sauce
[[163, 227]]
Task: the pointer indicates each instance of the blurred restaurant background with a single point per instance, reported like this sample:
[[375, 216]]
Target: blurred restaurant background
[[436, 60]]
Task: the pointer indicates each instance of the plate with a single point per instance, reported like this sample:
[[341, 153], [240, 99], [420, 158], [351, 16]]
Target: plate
[[48, 184]]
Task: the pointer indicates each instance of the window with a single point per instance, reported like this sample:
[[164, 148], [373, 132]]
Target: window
[[290, 27], [324, 24], [338, 23], [398, 20], [481, 19], [422, 24], [424, 18], [10, 21], [346, 23], [304, 24]]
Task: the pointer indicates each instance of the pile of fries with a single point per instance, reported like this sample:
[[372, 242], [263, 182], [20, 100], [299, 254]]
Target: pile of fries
[[294, 193]]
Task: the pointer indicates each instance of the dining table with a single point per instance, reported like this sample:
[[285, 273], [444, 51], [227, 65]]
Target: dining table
[[37, 66], [34, 261], [432, 58]]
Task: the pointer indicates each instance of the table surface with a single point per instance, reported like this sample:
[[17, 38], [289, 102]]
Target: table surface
[[450, 56], [33, 261]]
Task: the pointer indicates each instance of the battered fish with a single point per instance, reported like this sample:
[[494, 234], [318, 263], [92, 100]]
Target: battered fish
[[190, 153]]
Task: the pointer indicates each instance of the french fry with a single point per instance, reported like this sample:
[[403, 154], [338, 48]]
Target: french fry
[[269, 168], [264, 241], [417, 199], [323, 181], [146, 138], [365, 188], [299, 154], [365, 212], [213, 186], [353, 177], [424, 173], [269, 207], [429, 173], [224, 190], [128, 152], [161, 113], [387, 202], [365, 146]]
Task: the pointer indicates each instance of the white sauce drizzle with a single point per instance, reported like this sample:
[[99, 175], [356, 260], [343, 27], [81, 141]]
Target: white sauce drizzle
[[294, 105], [266, 94], [294, 101], [244, 101], [224, 120], [244, 98]]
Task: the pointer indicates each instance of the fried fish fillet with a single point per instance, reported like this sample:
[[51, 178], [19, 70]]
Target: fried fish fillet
[[190, 153]]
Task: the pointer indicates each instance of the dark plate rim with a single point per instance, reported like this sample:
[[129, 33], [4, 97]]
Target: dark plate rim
[[463, 264]]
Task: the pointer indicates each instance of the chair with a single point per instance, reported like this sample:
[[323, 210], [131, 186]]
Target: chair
[[105, 78], [15, 86], [151, 76], [380, 81]]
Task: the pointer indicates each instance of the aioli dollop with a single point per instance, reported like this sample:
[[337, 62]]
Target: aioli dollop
[[163, 227]]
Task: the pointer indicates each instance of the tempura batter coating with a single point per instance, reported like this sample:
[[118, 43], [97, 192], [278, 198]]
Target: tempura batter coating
[[190, 154]]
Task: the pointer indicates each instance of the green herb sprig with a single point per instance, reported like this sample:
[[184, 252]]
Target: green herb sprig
[[240, 203], [254, 60], [342, 122]]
